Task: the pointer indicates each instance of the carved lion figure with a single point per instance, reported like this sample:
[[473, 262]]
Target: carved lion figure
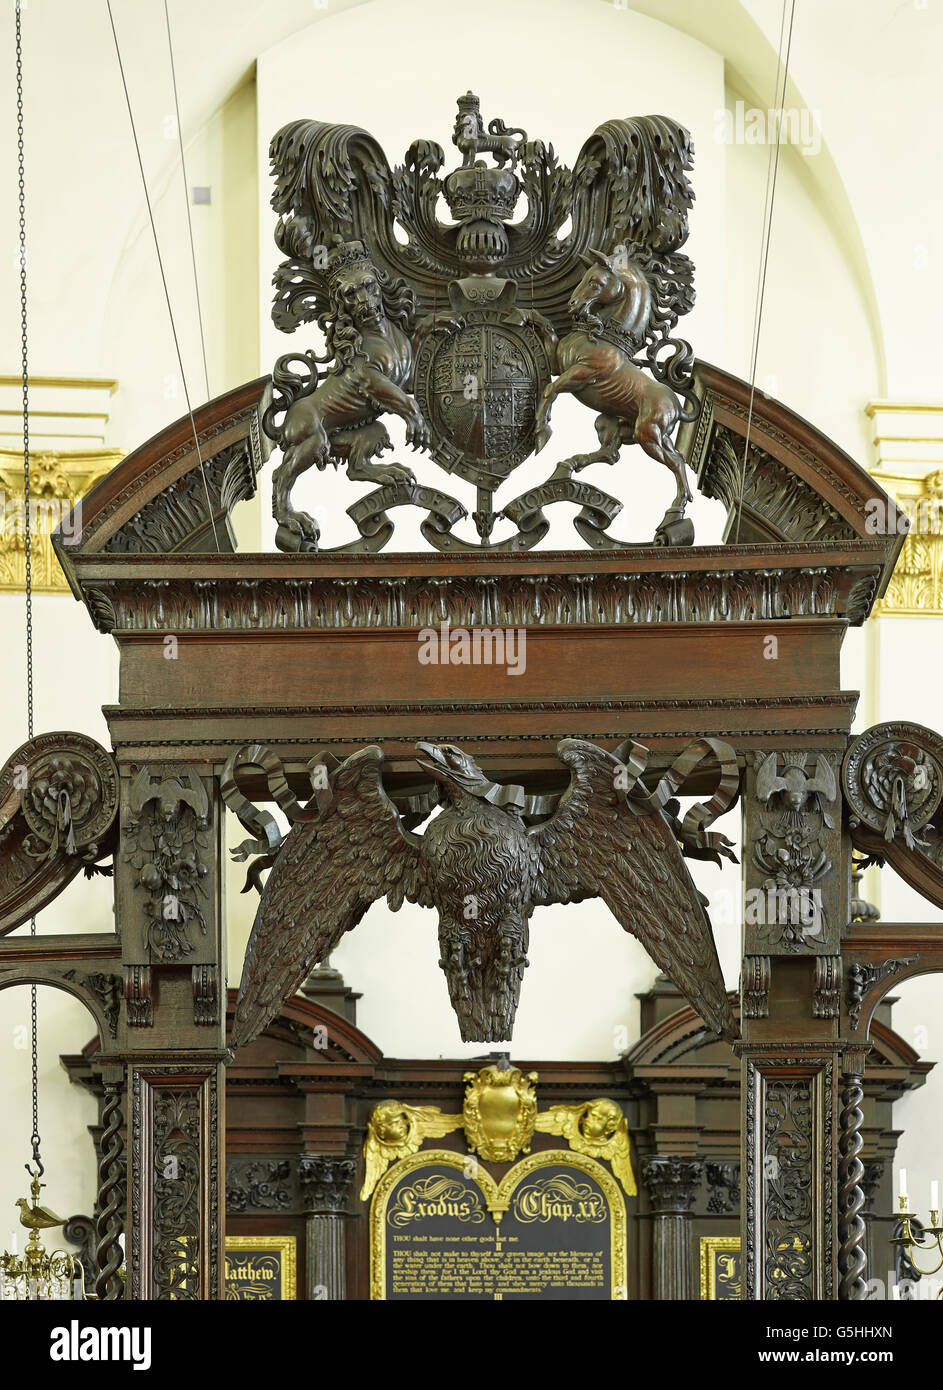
[[333, 416]]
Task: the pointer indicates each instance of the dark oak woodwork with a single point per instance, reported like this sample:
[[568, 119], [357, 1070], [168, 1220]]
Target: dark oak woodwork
[[307, 1085], [310, 651]]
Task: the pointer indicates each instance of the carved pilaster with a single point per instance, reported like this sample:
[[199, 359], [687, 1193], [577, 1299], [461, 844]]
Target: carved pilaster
[[789, 1165], [168, 892], [795, 901], [672, 1185], [325, 1185], [165, 887], [177, 1196]]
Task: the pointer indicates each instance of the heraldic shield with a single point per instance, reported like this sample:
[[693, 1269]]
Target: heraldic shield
[[479, 380]]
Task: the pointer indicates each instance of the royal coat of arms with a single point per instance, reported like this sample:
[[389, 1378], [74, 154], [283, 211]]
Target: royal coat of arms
[[469, 330]]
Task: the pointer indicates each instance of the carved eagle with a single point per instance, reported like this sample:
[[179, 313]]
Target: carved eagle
[[484, 870]]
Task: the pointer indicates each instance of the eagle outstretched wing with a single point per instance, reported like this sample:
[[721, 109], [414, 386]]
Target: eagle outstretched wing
[[607, 840], [326, 875]]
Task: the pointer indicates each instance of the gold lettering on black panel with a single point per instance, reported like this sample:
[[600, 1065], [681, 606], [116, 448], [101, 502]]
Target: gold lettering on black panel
[[553, 1228]]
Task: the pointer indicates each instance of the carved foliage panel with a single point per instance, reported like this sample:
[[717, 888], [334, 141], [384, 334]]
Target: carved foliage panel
[[795, 896], [788, 1208], [175, 1189], [777, 502], [167, 869]]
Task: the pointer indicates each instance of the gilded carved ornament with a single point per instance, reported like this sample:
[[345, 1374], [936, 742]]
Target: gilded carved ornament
[[499, 1118], [916, 585]]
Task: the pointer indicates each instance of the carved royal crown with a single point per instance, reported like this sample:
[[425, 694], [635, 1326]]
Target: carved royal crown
[[347, 255], [482, 199]]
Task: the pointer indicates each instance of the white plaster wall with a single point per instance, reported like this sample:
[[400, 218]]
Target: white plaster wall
[[908, 675]]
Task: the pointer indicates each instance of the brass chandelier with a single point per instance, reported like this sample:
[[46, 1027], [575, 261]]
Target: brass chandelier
[[916, 1237], [38, 1273]]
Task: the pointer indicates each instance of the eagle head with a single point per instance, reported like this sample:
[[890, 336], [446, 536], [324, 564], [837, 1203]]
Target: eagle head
[[450, 766]]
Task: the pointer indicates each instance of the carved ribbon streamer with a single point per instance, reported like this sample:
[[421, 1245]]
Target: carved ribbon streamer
[[260, 822], [599, 511], [369, 515], [693, 832], [851, 1228], [108, 1225]]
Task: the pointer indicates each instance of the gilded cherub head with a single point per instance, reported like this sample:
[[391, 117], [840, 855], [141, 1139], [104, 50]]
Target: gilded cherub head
[[600, 1120], [390, 1122]]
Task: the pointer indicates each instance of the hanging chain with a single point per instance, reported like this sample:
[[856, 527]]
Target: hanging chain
[[27, 531]]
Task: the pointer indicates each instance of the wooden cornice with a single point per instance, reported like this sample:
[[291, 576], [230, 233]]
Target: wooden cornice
[[146, 557]]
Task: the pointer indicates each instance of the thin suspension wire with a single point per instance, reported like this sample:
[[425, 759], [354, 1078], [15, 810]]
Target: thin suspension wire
[[186, 199], [772, 169], [160, 262], [35, 1140]]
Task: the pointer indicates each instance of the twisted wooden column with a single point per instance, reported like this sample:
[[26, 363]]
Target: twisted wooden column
[[852, 1260], [108, 1255]]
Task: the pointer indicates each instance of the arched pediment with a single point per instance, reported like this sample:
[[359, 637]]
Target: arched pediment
[[310, 1030], [166, 496], [681, 1044], [805, 546], [798, 487]]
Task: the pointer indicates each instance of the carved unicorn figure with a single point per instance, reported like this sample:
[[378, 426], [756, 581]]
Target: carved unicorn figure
[[611, 313]]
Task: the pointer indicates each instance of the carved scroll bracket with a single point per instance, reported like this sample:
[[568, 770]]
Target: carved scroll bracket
[[58, 801], [892, 778]]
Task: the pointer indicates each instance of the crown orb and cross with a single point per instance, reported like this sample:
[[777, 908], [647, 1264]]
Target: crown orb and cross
[[469, 331]]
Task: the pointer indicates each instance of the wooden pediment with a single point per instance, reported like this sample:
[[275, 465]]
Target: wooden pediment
[[805, 544], [167, 496]]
